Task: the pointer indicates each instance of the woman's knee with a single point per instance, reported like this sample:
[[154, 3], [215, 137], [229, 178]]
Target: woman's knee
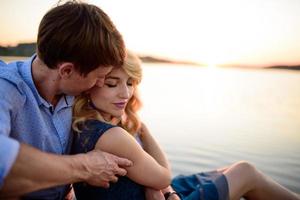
[[248, 171], [241, 177], [245, 166]]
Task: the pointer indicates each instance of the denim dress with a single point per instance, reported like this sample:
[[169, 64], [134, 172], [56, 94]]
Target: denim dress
[[201, 186], [125, 188]]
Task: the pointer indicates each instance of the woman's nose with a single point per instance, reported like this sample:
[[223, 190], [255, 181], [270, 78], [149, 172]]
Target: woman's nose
[[124, 93]]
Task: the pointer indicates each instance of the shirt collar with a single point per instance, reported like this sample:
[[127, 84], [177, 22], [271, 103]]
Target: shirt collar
[[26, 73]]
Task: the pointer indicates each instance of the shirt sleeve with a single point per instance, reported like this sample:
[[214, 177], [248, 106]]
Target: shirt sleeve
[[9, 149], [6, 108]]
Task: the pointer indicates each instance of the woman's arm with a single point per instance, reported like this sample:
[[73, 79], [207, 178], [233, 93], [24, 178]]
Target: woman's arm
[[151, 146], [145, 170]]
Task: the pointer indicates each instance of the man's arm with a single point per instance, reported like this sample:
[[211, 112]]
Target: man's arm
[[34, 170]]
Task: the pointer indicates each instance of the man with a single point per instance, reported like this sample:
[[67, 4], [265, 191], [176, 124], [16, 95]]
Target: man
[[77, 45]]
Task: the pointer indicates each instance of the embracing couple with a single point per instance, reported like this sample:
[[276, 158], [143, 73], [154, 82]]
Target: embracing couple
[[69, 116]]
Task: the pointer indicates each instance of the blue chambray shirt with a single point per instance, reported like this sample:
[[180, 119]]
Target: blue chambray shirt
[[28, 118], [9, 149]]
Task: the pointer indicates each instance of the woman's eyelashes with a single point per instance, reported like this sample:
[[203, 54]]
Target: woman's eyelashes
[[112, 85], [111, 82]]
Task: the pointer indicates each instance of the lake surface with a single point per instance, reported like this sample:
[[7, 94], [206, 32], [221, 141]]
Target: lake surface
[[206, 118]]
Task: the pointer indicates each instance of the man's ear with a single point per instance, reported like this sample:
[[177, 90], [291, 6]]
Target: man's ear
[[65, 69]]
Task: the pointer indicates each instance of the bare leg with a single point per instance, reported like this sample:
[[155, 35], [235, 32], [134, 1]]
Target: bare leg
[[244, 180]]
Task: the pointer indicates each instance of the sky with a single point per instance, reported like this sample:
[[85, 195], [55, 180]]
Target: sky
[[237, 32]]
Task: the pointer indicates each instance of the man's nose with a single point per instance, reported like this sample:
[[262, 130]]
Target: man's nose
[[100, 82]]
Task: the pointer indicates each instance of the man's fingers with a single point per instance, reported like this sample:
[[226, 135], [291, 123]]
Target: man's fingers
[[120, 171], [105, 184], [123, 162], [114, 179]]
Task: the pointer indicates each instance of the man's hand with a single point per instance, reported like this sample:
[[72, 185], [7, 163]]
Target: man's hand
[[152, 194], [102, 168]]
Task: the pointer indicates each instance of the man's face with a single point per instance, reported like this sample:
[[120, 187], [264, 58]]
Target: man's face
[[77, 83]]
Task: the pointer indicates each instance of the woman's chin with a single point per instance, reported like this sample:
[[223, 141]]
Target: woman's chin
[[118, 114]]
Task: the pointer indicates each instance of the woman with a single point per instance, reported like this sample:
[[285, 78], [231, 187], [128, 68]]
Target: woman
[[98, 118]]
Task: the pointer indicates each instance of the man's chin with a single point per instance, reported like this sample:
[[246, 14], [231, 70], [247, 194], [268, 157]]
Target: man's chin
[[76, 93]]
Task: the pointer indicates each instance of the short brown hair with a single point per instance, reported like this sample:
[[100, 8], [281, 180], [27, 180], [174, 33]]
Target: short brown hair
[[82, 34]]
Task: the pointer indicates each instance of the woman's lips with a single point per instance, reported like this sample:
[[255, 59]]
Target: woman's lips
[[120, 105]]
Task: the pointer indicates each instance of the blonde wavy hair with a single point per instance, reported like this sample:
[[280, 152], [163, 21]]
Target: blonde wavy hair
[[130, 121]]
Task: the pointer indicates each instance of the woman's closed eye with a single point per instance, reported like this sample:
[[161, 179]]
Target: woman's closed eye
[[110, 85], [114, 82]]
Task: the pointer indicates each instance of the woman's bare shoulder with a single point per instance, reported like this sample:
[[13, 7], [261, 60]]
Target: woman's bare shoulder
[[116, 140]]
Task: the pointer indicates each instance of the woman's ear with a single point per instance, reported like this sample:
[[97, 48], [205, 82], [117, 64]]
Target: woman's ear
[[66, 69]]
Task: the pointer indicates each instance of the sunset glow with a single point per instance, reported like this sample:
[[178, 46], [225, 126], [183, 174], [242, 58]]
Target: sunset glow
[[249, 32]]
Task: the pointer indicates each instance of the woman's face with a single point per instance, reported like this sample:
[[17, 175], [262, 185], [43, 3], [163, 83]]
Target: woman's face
[[112, 98]]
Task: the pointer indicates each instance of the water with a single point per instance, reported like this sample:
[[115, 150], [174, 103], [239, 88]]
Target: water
[[206, 118]]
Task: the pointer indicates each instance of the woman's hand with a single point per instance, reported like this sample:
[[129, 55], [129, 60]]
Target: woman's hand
[[173, 195], [71, 194], [152, 194]]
